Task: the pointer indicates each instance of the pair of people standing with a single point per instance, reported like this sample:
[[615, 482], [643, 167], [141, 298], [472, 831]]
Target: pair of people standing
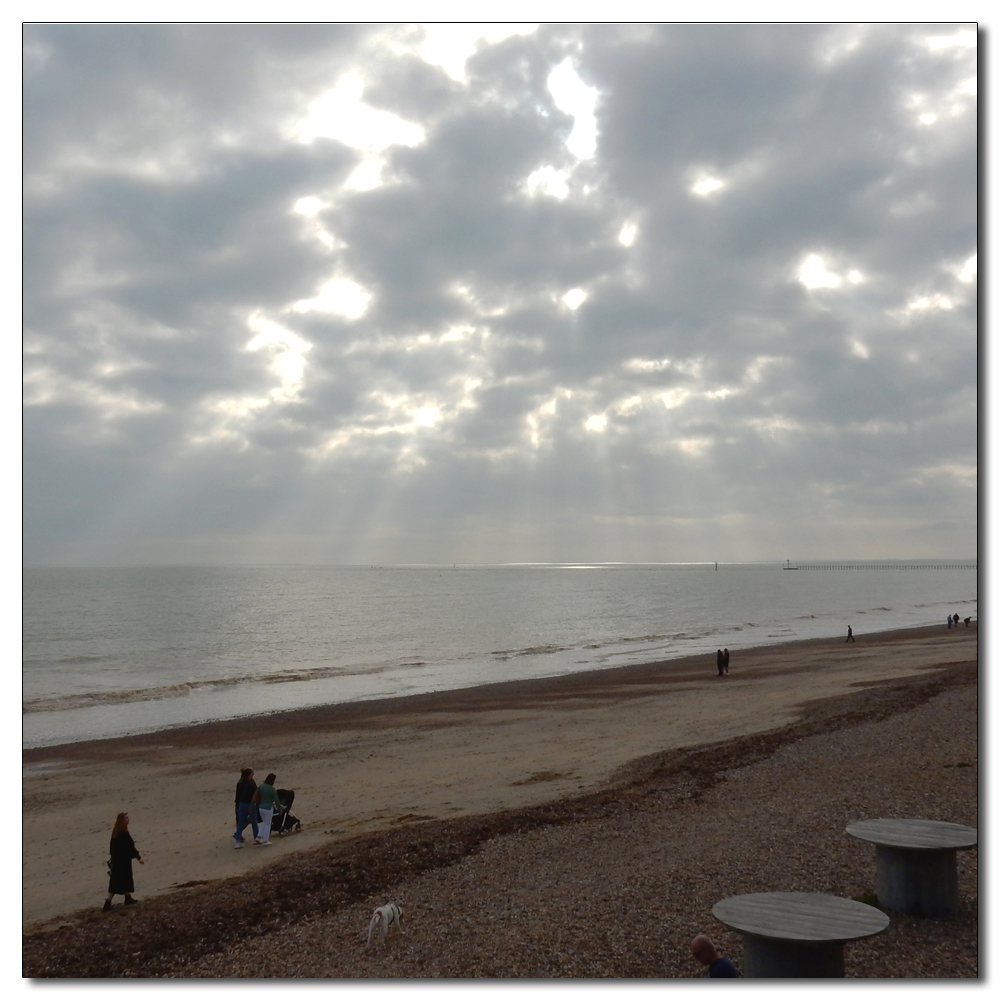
[[252, 799], [722, 661]]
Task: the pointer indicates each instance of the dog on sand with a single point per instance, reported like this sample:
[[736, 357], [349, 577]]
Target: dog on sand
[[384, 917]]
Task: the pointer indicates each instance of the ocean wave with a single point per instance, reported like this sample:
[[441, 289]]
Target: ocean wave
[[30, 662], [507, 654], [92, 699], [547, 648], [66, 702]]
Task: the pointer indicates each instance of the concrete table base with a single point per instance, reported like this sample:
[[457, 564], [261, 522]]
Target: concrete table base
[[916, 868], [921, 883], [765, 958]]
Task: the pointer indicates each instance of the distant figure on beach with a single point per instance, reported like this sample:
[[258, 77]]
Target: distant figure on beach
[[267, 799], [949, 621], [123, 851], [850, 635], [246, 809], [725, 659], [720, 661], [967, 620], [719, 967]]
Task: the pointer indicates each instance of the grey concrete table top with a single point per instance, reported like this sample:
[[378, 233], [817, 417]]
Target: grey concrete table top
[[807, 917], [915, 834]]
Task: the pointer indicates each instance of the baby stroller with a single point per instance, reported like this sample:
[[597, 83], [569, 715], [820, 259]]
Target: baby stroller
[[284, 822]]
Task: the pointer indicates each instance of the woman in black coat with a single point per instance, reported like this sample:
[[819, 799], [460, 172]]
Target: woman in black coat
[[122, 852]]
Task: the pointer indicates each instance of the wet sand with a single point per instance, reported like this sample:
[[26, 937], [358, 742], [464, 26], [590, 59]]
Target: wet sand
[[382, 765]]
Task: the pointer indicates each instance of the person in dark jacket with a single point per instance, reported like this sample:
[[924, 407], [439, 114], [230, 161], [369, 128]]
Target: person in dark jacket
[[719, 967], [246, 808], [720, 662], [123, 850]]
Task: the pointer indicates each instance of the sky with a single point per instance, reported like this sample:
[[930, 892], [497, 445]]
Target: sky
[[499, 293]]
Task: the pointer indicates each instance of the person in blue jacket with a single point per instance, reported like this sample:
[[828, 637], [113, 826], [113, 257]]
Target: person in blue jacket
[[246, 808], [719, 967]]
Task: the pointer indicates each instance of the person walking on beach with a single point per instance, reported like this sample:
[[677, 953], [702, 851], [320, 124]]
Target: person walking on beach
[[719, 967], [123, 850], [949, 621], [850, 635], [246, 809], [725, 660], [267, 798], [720, 661]]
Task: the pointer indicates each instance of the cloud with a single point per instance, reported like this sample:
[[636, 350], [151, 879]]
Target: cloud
[[504, 292], [574, 97]]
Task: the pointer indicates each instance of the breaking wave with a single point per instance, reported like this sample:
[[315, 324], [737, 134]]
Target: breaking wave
[[91, 699]]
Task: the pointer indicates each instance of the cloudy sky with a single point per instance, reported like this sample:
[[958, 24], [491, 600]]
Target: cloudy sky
[[473, 293]]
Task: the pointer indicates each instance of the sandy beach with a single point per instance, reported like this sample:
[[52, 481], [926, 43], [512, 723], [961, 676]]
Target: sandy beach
[[376, 774]]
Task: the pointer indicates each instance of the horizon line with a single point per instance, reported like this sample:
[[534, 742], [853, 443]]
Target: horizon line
[[570, 563]]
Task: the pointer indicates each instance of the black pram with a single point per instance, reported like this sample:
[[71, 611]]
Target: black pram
[[284, 822]]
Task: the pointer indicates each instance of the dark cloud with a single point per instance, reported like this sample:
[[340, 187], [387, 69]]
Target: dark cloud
[[710, 391]]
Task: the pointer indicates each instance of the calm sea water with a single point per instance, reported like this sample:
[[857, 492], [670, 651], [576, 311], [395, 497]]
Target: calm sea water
[[109, 652]]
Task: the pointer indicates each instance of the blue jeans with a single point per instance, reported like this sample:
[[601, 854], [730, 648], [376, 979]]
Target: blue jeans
[[246, 812]]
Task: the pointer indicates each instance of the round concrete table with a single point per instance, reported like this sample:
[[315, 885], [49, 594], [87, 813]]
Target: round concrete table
[[916, 870], [797, 935]]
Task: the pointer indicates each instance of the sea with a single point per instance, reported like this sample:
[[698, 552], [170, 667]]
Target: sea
[[117, 651]]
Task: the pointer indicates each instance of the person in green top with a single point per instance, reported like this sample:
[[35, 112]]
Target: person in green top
[[267, 799]]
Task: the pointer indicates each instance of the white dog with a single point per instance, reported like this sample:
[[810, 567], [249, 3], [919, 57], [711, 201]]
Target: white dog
[[386, 916]]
